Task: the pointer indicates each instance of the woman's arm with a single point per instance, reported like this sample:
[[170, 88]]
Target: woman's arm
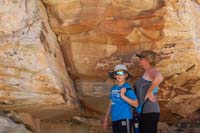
[[128, 100], [105, 122], [157, 78]]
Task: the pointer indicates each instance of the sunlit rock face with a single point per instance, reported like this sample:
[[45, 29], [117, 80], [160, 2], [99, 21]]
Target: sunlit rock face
[[32, 70], [182, 45], [96, 35], [46, 43]]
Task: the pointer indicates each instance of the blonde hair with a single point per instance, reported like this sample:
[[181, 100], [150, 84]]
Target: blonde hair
[[150, 56]]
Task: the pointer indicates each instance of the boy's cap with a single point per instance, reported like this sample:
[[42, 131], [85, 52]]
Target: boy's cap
[[118, 67]]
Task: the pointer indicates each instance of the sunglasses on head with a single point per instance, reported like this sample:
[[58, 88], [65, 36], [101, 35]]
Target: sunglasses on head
[[140, 56], [120, 73]]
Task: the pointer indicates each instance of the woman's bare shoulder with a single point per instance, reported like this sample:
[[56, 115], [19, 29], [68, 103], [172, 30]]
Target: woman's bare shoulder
[[155, 73]]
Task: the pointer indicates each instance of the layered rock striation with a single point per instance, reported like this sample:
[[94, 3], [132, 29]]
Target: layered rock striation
[[55, 54]]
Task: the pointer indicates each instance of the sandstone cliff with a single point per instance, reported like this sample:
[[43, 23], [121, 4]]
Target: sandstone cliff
[[55, 55]]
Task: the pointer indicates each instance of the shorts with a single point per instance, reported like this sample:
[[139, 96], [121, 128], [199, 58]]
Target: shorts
[[122, 126]]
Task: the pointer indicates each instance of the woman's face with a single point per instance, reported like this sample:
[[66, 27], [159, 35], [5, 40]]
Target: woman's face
[[143, 62]]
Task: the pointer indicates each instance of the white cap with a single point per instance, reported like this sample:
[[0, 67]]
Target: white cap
[[120, 67]]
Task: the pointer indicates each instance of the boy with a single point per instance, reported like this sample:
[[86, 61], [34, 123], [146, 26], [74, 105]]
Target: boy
[[122, 97]]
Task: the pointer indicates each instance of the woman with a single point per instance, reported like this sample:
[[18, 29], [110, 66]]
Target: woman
[[146, 88]]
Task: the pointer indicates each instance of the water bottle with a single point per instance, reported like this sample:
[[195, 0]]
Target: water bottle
[[136, 122]]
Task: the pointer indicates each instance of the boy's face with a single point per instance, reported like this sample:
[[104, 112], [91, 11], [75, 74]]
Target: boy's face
[[121, 75]]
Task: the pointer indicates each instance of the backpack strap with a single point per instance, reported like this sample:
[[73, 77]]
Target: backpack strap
[[128, 89]]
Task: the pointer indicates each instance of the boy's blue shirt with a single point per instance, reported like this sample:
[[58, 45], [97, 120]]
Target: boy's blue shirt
[[120, 109]]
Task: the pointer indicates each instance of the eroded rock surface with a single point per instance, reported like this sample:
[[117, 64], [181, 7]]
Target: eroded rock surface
[[32, 70], [96, 35], [44, 44]]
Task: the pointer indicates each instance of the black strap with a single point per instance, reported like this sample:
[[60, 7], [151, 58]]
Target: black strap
[[128, 88], [143, 105]]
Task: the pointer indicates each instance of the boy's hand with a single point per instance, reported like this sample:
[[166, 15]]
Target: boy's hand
[[105, 124], [122, 92]]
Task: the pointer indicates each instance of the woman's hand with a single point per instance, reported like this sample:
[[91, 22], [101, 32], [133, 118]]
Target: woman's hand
[[151, 97]]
